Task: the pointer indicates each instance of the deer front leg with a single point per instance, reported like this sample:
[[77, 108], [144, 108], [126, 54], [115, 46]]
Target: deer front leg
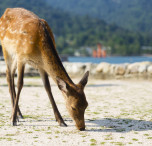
[[47, 86], [19, 86]]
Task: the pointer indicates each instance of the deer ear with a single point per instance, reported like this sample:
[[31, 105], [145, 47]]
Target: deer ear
[[84, 80], [63, 86]]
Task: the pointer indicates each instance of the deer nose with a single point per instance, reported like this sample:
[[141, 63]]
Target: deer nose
[[82, 129]]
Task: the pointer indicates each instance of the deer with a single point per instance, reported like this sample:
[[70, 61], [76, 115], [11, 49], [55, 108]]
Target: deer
[[28, 39]]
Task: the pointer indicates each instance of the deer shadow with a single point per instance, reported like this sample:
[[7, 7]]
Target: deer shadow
[[102, 85], [99, 125], [118, 125], [47, 121], [26, 85]]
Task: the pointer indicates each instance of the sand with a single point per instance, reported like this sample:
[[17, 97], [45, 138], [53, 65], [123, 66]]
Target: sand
[[119, 113]]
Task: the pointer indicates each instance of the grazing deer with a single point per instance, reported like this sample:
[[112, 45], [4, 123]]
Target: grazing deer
[[28, 39]]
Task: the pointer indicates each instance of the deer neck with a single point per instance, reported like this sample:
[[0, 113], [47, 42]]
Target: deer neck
[[51, 60], [54, 67]]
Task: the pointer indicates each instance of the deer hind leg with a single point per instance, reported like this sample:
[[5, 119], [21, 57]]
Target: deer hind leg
[[19, 114], [47, 86], [10, 80], [8, 75], [20, 69]]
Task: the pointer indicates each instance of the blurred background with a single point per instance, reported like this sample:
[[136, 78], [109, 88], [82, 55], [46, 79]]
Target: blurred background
[[95, 30]]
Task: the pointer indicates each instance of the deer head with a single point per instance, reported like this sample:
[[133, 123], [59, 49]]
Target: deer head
[[76, 102]]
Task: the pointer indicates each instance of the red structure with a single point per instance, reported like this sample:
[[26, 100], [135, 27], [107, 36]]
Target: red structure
[[99, 52], [104, 54], [94, 53]]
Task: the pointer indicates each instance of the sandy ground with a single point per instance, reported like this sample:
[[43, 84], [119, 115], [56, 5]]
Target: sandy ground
[[119, 113]]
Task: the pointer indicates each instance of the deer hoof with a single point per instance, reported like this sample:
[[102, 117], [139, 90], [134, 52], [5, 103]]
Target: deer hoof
[[63, 125], [14, 123], [20, 117]]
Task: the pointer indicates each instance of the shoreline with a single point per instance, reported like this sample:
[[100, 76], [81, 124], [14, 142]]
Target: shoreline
[[103, 70]]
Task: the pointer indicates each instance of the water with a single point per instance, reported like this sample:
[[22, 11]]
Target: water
[[112, 60]]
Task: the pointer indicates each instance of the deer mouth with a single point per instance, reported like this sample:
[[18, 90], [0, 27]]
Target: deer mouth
[[82, 129]]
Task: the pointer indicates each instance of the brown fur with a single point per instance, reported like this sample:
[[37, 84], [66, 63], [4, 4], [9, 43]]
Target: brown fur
[[28, 39]]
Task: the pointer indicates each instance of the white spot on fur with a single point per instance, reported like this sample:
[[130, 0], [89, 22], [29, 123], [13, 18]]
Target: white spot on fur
[[12, 31], [7, 21]]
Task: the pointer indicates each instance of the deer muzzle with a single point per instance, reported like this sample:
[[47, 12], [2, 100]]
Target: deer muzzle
[[80, 124]]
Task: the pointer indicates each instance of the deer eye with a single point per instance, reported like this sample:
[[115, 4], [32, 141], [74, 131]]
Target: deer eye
[[73, 108]]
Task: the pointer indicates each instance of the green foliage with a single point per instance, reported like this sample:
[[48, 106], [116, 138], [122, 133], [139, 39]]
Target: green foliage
[[130, 14], [72, 32]]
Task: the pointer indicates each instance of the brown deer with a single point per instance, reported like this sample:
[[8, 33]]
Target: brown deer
[[28, 39]]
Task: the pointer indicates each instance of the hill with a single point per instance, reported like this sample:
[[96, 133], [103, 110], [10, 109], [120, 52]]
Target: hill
[[130, 14], [73, 32]]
